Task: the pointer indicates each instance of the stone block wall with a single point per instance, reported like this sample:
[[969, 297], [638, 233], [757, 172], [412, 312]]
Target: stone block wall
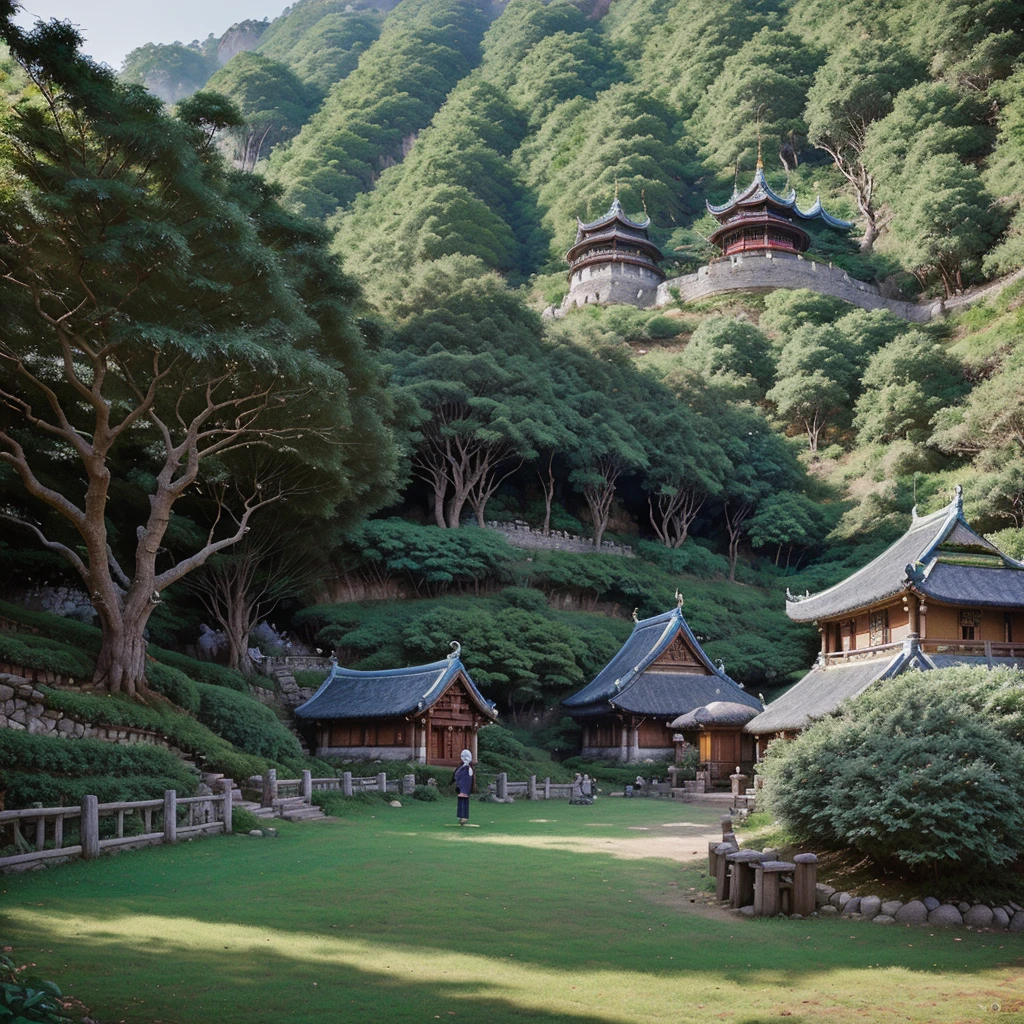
[[520, 535], [767, 272], [23, 707], [612, 283]]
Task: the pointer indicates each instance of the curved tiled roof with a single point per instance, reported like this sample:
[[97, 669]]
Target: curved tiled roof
[[348, 693], [759, 191], [718, 712], [926, 560], [615, 212], [625, 684]]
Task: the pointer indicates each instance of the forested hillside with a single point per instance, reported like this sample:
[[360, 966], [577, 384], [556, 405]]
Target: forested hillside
[[740, 446]]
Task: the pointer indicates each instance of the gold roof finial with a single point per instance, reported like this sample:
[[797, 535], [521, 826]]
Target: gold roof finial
[[643, 201], [616, 187], [760, 162]]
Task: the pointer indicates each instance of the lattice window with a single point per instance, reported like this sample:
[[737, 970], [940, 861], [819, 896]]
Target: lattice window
[[878, 628], [970, 621]]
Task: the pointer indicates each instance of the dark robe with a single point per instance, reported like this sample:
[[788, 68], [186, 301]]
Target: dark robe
[[463, 784]]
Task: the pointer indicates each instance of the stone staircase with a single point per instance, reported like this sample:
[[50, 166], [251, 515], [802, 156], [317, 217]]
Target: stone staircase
[[292, 808]]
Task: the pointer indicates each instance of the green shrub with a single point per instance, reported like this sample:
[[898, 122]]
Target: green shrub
[[28, 998], [336, 805], [79, 635], [44, 652], [174, 685], [243, 820], [913, 773], [496, 739], [245, 722], [615, 773], [426, 793], [201, 671], [309, 677]]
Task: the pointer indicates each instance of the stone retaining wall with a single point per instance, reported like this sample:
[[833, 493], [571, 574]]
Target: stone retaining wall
[[23, 707], [755, 273], [520, 535]]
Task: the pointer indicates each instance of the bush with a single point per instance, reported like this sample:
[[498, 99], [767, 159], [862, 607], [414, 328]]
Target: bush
[[245, 723], [495, 739], [243, 820], [28, 998], [426, 793], [174, 685], [46, 653], [910, 774], [336, 805], [201, 671], [309, 677], [79, 635]]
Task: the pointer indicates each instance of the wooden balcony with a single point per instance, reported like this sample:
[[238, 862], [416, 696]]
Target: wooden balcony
[[930, 645]]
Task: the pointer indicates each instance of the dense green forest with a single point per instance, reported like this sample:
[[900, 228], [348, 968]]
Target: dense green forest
[[440, 151]]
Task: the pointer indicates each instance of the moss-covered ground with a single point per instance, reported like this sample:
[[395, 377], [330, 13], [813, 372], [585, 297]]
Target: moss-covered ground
[[545, 912]]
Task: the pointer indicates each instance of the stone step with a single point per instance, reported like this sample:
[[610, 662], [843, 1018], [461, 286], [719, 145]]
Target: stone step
[[302, 814], [251, 805]]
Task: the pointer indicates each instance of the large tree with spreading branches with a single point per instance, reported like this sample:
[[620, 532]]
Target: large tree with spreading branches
[[169, 332]]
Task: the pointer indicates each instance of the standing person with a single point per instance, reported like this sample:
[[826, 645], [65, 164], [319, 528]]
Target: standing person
[[464, 785]]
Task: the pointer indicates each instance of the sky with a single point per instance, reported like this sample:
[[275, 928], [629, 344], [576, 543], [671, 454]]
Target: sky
[[113, 27]]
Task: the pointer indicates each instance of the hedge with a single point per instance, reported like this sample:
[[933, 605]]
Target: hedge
[[245, 722], [79, 635], [43, 652], [201, 671]]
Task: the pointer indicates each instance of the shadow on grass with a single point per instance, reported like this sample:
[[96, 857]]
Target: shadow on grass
[[397, 921]]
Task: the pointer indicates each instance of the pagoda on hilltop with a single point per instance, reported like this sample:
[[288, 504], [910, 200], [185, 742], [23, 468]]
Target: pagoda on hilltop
[[758, 220], [613, 260], [941, 595]]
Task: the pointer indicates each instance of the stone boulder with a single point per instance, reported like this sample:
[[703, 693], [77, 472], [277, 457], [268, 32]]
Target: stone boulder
[[1000, 918], [828, 911], [945, 916], [883, 919], [931, 903], [979, 916], [1017, 922], [852, 906], [871, 906], [822, 893], [914, 912], [839, 899], [889, 907]]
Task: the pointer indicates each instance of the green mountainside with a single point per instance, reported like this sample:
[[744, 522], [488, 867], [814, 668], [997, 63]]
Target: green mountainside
[[740, 445]]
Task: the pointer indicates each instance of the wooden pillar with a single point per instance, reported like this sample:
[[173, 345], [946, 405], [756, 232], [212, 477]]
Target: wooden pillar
[[472, 741], [227, 788], [823, 633], [805, 880], [307, 785], [170, 816], [624, 742], [914, 617], [414, 741], [922, 619], [722, 878], [634, 735], [586, 736], [90, 828], [424, 739]]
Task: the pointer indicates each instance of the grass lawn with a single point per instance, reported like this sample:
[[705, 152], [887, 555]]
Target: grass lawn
[[544, 913]]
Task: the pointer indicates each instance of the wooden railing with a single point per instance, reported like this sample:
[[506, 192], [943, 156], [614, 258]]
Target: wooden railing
[[160, 824], [931, 645]]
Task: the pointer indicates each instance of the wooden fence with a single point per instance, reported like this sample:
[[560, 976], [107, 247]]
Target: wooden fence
[[162, 821]]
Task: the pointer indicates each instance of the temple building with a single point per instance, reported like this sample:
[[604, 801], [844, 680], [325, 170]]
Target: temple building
[[759, 220], [632, 709], [426, 713], [941, 595], [613, 260]]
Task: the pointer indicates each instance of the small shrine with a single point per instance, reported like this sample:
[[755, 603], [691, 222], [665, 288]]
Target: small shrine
[[759, 220], [941, 595], [631, 709], [424, 713], [613, 260]]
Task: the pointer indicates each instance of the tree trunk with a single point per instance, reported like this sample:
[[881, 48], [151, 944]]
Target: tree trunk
[[548, 487], [121, 663]]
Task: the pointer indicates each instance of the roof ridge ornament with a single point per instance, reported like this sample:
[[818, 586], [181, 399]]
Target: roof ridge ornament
[[679, 600], [635, 616], [958, 499], [456, 650]]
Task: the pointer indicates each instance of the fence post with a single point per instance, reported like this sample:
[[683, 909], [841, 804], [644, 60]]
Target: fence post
[[805, 879], [227, 787], [307, 785], [533, 787], [90, 826], [170, 816], [502, 786], [346, 783], [269, 788], [547, 788], [382, 783]]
